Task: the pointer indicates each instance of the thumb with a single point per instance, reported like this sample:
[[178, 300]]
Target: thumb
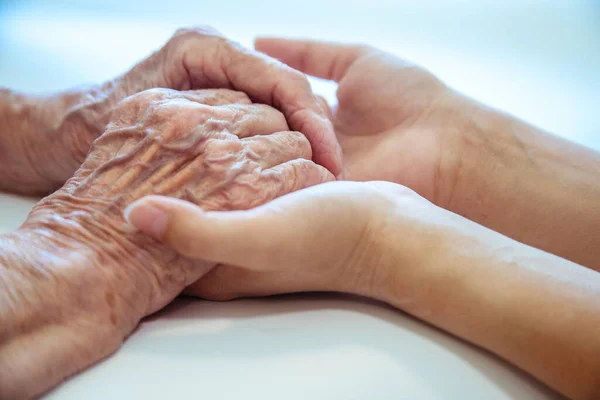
[[250, 238]]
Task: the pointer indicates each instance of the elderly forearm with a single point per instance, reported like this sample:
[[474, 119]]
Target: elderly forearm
[[52, 320], [536, 310], [534, 187], [37, 131]]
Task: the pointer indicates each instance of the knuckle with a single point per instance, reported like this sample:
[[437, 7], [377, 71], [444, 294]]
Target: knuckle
[[239, 97], [362, 48], [301, 142], [291, 176], [238, 113], [133, 107], [298, 76], [181, 32], [221, 151], [216, 97], [213, 124], [149, 95], [304, 172], [204, 31]]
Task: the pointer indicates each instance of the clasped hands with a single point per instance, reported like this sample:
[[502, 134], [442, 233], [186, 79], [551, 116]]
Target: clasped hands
[[212, 169]]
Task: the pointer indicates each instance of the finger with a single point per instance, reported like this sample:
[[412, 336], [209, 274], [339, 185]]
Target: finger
[[224, 237], [228, 282], [245, 120], [215, 97], [269, 82], [278, 148], [286, 89], [255, 119], [289, 177], [251, 237], [325, 105], [325, 60]]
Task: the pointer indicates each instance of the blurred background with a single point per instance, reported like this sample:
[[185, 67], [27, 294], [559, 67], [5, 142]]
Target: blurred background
[[538, 59]]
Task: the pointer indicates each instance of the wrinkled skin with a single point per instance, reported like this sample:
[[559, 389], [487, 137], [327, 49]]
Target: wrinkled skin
[[387, 123], [193, 146], [43, 140]]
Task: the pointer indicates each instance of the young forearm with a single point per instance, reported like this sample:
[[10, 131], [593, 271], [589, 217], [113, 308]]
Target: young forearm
[[537, 311], [537, 188]]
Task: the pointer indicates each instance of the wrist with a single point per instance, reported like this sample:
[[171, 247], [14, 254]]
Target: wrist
[[414, 236], [54, 316], [102, 249], [488, 157], [393, 243]]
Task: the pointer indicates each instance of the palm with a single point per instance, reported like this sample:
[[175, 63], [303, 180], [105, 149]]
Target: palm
[[388, 117], [380, 126]]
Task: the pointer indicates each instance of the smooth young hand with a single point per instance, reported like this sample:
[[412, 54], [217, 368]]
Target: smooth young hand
[[382, 240], [397, 122]]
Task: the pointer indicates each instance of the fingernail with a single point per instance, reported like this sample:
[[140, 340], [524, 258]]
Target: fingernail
[[147, 218]]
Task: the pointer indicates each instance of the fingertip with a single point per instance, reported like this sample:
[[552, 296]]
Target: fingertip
[[262, 43], [327, 152], [146, 216]]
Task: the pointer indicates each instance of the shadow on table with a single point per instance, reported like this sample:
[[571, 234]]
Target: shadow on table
[[276, 319]]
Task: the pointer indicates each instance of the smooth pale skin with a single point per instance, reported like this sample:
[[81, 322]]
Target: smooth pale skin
[[381, 240], [397, 122], [44, 139], [423, 252]]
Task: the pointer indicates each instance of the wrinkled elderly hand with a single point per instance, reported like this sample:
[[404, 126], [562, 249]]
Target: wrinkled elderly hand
[[53, 134], [212, 148]]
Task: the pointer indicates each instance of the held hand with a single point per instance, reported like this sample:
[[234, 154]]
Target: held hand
[[394, 120], [210, 148], [197, 58], [325, 238], [88, 273]]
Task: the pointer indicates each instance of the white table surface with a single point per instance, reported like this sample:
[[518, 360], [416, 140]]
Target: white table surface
[[537, 59]]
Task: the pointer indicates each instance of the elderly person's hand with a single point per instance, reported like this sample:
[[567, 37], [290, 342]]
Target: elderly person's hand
[[76, 278], [44, 139]]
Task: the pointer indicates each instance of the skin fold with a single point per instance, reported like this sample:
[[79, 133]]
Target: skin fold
[[45, 138], [76, 279], [465, 217]]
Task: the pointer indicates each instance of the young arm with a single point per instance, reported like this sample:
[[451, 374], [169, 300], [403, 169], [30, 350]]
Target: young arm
[[381, 240]]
